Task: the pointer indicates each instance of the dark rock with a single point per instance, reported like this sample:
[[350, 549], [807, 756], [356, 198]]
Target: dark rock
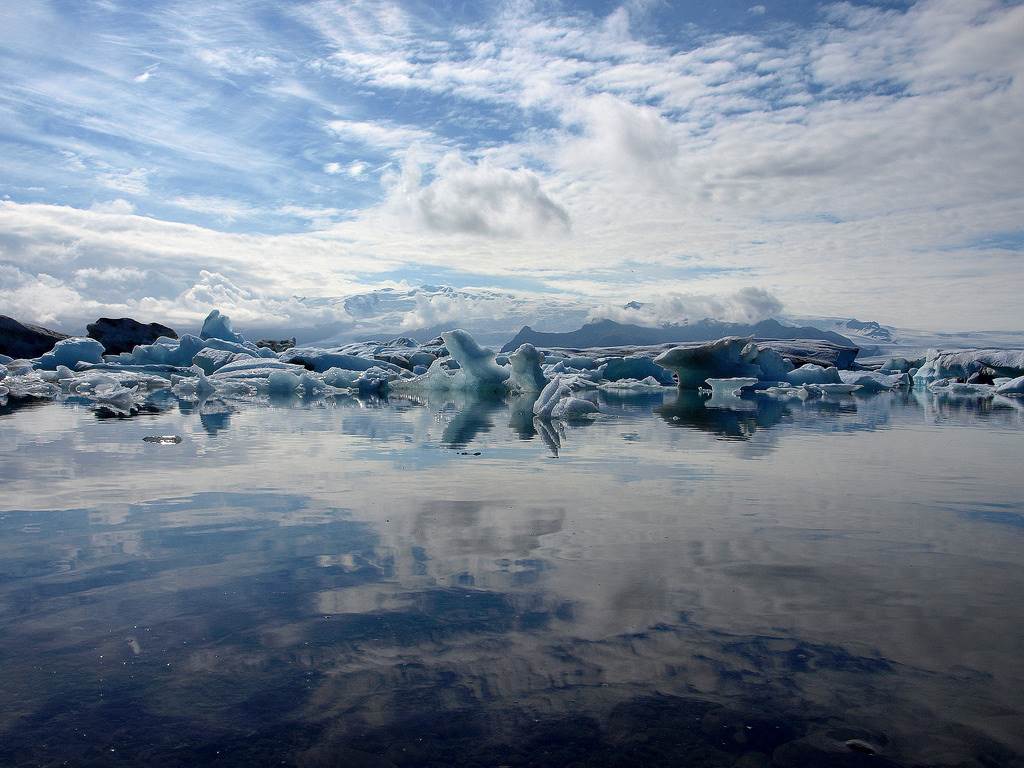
[[984, 376], [123, 334], [278, 345], [24, 339]]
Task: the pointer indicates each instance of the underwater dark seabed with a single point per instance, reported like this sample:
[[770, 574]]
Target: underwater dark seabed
[[364, 583]]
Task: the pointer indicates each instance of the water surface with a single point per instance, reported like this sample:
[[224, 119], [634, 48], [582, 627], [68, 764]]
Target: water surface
[[360, 583]]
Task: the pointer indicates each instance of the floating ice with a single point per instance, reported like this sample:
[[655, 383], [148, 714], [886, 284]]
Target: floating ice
[[480, 372], [633, 385], [731, 386], [813, 374], [835, 389], [873, 381], [961, 364], [71, 352], [560, 388], [526, 375], [162, 439], [1011, 387], [573, 408], [960, 389], [630, 367], [725, 358], [30, 386], [218, 326]]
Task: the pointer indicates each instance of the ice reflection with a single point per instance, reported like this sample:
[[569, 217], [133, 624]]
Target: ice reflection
[[330, 585]]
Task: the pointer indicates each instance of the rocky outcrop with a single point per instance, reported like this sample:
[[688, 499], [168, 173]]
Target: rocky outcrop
[[278, 345], [608, 333], [26, 340], [123, 334]]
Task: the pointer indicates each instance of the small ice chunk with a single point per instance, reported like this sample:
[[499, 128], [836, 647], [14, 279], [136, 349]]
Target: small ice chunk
[[30, 386], [813, 374], [836, 389], [573, 408], [558, 389], [162, 439], [873, 381], [282, 382], [629, 367], [731, 386], [959, 389]]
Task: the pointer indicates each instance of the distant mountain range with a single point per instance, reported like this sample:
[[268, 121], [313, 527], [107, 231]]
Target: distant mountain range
[[609, 333]]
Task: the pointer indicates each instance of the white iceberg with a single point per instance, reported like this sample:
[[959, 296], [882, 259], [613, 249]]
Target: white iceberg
[[71, 352]]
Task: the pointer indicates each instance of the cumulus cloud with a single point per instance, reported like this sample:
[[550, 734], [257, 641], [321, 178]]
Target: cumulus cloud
[[477, 198]]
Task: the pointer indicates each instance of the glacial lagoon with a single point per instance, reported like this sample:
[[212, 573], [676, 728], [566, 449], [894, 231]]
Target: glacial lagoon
[[425, 582]]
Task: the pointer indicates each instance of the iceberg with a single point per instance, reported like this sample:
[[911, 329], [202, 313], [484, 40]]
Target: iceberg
[[810, 373], [961, 364], [218, 326], [1012, 387], [729, 357], [526, 375], [629, 367], [71, 352], [477, 364], [873, 381]]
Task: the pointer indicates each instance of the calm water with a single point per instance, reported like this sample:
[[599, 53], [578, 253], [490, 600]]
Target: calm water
[[446, 583]]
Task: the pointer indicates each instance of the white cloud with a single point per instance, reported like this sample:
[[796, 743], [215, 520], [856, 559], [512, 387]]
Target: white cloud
[[222, 208], [383, 135], [354, 170], [757, 10], [131, 182], [747, 305], [144, 76], [477, 199], [118, 205]]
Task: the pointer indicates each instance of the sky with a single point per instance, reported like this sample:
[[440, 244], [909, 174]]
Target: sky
[[851, 159]]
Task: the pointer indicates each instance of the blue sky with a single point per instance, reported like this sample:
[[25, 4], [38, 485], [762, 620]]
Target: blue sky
[[844, 158]]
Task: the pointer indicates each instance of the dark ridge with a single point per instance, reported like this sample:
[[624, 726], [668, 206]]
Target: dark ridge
[[609, 333]]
